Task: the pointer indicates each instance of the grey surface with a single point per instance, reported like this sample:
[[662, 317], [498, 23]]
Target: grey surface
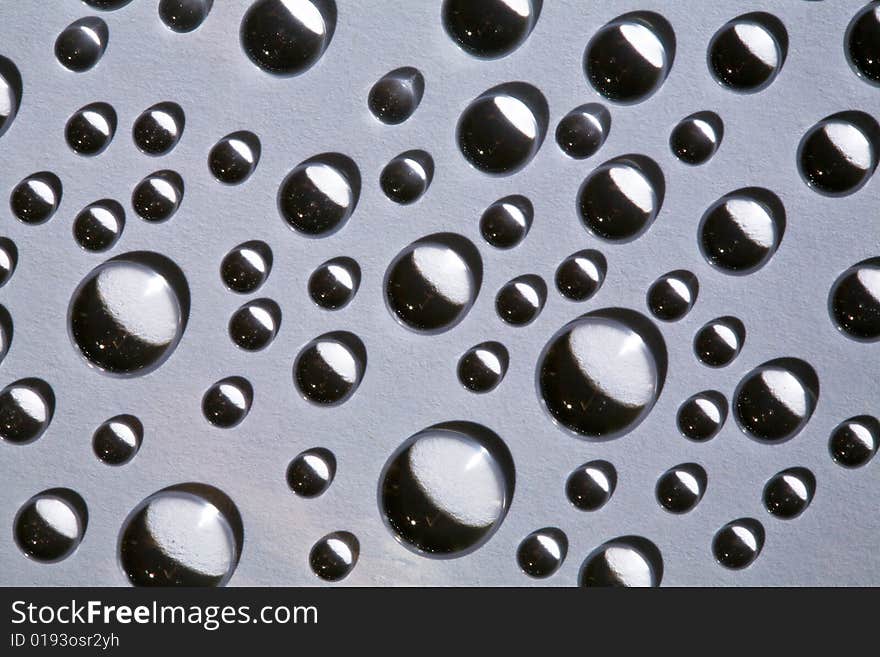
[[410, 381]]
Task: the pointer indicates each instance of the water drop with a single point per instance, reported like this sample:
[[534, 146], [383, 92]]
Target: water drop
[[701, 416], [8, 259], [738, 543], [233, 159], [82, 43], [489, 29], [36, 198], [51, 524], [432, 283], [838, 155], [862, 43], [446, 489], [681, 488], [506, 222], [854, 442], [158, 128], [183, 535], [719, 341], [541, 553], [26, 409], [520, 301], [6, 332], [741, 231], [227, 402], [600, 374], [482, 367], [854, 301], [319, 195], [184, 15], [697, 137], [128, 314], [10, 93], [246, 267], [287, 37], [118, 439], [334, 283], [329, 369], [334, 556], [672, 295], [157, 197], [788, 493], [628, 561], [311, 472], [581, 132], [502, 129], [253, 326], [620, 199], [774, 401], [395, 97], [107, 5], [747, 53], [591, 486], [99, 226], [407, 177], [581, 274], [90, 129]]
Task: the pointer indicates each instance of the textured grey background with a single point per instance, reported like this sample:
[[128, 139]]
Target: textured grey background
[[410, 381]]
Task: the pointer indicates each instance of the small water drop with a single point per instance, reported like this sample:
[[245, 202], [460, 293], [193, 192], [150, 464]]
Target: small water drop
[[395, 97], [157, 197], [36, 198], [233, 159], [591, 486], [738, 543], [672, 296], [862, 43], [854, 442], [334, 556], [581, 274], [334, 283], [8, 259], [6, 332], [158, 128], [482, 367], [246, 267], [854, 301], [90, 129], [747, 53], [628, 561], [489, 29], [406, 178], [681, 488], [719, 341], [26, 409], [838, 155], [506, 222], [697, 137], [10, 93], [311, 472], [702, 416], [184, 15], [520, 301], [788, 493], [319, 195], [51, 524], [329, 369], [581, 132], [107, 5], [254, 326], [99, 225], [118, 439], [227, 402], [82, 43], [541, 553]]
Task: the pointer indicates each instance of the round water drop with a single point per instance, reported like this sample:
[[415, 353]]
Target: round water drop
[[432, 284], [445, 490], [118, 439], [838, 155], [8, 259], [620, 199], [127, 315], [253, 326], [311, 472], [51, 524], [334, 283], [581, 274], [287, 37], [99, 226], [90, 129], [719, 341], [334, 556], [329, 369], [702, 416], [6, 332], [591, 486], [747, 53], [507, 221], [697, 137], [741, 231], [10, 93], [246, 267], [82, 43], [854, 442], [854, 301], [681, 488], [774, 401], [319, 195], [482, 367], [628, 561], [502, 129], [395, 97], [672, 296], [158, 128], [541, 553], [862, 43], [184, 535], [184, 15], [36, 198], [233, 159], [581, 132], [157, 197], [26, 409], [489, 29], [227, 402], [738, 543], [788, 493], [406, 178], [520, 301], [600, 374], [107, 5]]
